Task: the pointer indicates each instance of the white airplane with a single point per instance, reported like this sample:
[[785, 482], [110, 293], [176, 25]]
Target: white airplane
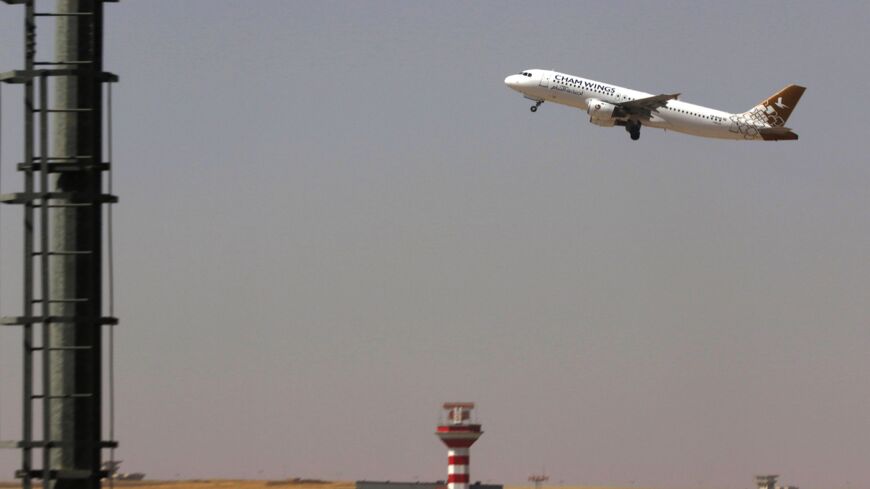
[[609, 105]]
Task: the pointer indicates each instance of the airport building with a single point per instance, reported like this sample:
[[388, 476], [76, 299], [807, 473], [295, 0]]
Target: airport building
[[418, 485], [769, 482]]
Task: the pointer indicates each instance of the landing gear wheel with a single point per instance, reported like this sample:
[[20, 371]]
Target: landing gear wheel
[[633, 129], [534, 108]]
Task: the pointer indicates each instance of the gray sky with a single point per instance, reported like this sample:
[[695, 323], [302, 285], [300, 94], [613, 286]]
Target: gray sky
[[334, 216]]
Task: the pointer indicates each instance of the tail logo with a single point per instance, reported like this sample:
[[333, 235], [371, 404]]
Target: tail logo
[[772, 112], [762, 115]]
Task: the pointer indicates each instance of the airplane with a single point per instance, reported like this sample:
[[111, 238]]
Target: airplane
[[609, 105]]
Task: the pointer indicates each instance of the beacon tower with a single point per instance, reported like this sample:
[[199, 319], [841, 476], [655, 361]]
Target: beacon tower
[[458, 432]]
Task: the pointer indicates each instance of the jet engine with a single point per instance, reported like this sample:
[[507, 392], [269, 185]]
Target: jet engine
[[601, 113]]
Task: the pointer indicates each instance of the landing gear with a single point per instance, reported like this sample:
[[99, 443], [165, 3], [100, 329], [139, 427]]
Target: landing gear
[[534, 108], [633, 128]]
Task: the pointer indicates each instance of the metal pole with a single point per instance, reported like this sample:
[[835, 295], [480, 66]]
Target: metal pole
[[44, 266], [76, 266], [27, 384]]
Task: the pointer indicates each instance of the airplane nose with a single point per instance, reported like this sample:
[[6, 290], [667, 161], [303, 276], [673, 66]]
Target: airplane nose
[[512, 81]]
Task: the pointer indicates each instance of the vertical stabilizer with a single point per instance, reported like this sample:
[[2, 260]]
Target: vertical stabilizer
[[775, 110]]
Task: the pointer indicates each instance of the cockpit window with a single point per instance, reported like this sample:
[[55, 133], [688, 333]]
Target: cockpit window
[[525, 73]]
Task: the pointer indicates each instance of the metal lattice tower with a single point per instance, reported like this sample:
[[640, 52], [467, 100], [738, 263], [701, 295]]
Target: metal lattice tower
[[62, 320]]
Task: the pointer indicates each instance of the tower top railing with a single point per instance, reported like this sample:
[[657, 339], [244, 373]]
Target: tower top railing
[[458, 413]]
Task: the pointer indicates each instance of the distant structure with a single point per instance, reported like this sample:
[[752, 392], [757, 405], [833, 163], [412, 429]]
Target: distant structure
[[538, 479], [458, 432], [769, 482], [766, 481], [417, 485], [112, 468]]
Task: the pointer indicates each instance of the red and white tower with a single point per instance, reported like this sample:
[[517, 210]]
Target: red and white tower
[[458, 432]]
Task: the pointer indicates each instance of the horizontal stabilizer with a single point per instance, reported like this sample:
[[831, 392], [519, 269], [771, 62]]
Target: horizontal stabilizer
[[777, 134]]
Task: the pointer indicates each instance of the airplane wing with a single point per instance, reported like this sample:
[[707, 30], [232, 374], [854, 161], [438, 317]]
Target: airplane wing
[[643, 107]]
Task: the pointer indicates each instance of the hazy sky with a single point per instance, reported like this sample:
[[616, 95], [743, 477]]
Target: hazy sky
[[334, 216]]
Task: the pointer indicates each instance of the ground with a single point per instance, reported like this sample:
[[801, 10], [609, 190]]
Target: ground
[[252, 484]]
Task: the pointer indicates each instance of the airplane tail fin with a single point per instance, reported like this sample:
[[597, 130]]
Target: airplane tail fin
[[774, 110]]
